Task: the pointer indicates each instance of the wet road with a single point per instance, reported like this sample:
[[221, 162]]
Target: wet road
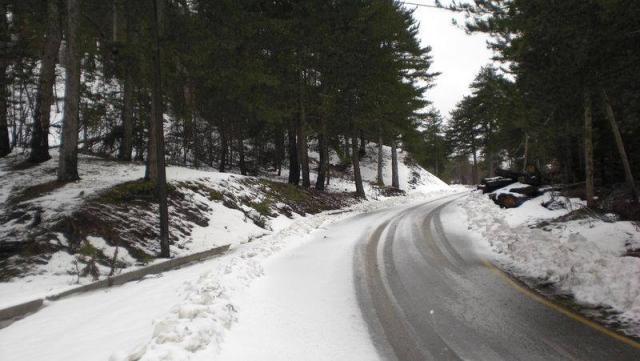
[[427, 296]]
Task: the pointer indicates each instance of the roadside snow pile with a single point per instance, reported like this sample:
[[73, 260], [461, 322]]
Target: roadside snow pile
[[583, 257], [207, 310]]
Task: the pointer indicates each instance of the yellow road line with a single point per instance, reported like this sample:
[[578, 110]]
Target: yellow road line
[[572, 315]]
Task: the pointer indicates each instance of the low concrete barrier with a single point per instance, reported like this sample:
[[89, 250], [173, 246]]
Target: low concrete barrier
[[13, 313]]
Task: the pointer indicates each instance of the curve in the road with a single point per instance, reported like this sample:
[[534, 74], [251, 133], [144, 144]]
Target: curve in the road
[[427, 296]]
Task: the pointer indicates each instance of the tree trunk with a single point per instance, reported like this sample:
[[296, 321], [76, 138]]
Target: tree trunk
[[355, 161], [294, 165], [243, 166], [210, 144], [86, 144], [323, 152], [190, 134], [44, 96], [437, 168], [5, 146], [141, 121], [223, 149], [395, 178], [157, 131], [151, 169], [16, 119], [196, 143], [363, 145], [279, 151], [128, 123], [588, 149], [186, 139], [567, 166], [126, 146], [526, 152], [380, 177], [68, 164], [303, 155], [628, 175], [347, 151], [474, 169]]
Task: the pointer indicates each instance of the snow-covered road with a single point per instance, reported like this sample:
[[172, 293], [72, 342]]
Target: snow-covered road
[[305, 308]]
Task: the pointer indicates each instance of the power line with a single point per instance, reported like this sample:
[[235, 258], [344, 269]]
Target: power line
[[422, 5], [428, 6]]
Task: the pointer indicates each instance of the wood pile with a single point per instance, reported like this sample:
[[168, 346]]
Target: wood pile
[[513, 197]]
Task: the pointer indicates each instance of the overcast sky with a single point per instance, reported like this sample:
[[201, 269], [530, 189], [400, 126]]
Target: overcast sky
[[456, 55]]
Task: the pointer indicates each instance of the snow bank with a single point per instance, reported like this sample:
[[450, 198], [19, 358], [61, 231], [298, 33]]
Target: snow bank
[[583, 258]]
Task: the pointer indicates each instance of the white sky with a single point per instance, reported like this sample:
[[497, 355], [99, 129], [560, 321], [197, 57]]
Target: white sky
[[456, 55]]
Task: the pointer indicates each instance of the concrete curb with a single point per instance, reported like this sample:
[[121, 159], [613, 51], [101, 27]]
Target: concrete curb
[[10, 314]]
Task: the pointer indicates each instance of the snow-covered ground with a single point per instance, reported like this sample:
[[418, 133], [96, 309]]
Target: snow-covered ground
[[187, 314], [226, 226], [582, 258]]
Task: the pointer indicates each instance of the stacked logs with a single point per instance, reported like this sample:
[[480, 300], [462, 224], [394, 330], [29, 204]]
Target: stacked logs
[[513, 197]]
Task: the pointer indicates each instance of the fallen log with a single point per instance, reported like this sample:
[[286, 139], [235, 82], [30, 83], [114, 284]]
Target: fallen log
[[513, 175], [529, 191], [507, 200], [489, 185]]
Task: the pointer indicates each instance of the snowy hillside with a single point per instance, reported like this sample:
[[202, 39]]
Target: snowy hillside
[[411, 176], [55, 236]]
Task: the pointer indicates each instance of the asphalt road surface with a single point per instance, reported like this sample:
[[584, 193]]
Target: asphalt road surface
[[427, 296]]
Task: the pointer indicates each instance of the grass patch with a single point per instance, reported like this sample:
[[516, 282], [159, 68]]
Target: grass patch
[[263, 208], [214, 195], [130, 191], [295, 199], [287, 192], [87, 249]]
